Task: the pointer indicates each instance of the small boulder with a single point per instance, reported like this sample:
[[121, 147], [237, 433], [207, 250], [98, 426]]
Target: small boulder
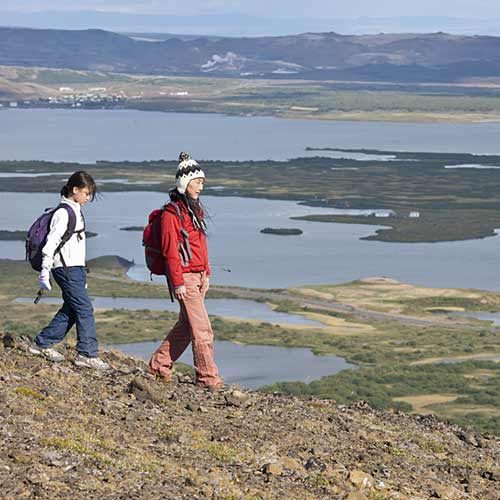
[[315, 463], [143, 391], [8, 341], [272, 469], [193, 407], [446, 492], [361, 479], [236, 398]]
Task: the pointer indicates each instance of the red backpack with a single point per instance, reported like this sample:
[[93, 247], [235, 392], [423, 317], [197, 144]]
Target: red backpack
[[151, 241]]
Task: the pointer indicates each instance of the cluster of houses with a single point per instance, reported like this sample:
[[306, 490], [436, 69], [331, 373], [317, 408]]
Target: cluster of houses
[[96, 97], [390, 213]]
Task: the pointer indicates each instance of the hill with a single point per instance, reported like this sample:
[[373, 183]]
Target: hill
[[437, 57], [121, 434]]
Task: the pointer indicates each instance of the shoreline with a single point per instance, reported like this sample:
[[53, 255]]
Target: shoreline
[[355, 116]]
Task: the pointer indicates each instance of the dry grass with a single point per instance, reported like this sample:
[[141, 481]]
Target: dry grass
[[468, 357], [339, 326], [387, 295], [421, 403]]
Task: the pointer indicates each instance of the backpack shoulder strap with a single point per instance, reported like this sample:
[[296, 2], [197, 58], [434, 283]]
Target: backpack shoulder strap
[[71, 226], [71, 221], [178, 211]]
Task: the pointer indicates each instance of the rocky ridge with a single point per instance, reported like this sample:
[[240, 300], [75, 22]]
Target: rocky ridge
[[69, 432]]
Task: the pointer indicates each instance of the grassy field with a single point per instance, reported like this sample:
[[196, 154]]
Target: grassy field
[[327, 100]]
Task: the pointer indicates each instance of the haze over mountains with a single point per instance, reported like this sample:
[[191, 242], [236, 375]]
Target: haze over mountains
[[386, 57], [241, 24]]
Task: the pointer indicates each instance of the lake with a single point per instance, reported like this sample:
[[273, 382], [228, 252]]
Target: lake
[[253, 366], [90, 135], [242, 256]]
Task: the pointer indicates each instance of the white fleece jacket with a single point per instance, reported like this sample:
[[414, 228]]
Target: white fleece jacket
[[73, 251]]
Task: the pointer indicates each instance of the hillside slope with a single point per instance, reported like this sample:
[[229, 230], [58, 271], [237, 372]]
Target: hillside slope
[[436, 57], [123, 435]]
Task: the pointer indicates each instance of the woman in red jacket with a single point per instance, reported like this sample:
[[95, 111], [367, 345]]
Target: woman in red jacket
[[184, 246]]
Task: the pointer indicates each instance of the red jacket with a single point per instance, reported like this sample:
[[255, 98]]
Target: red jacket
[[172, 237]]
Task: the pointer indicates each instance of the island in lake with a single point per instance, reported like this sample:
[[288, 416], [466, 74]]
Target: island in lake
[[132, 228], [21, 235], [285, 231]]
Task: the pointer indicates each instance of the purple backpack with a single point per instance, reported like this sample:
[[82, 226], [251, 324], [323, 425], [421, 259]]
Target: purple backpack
[[38, 232]]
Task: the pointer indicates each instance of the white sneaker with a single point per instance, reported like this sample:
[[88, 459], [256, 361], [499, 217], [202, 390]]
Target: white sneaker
[[49, 353], [96, 363]]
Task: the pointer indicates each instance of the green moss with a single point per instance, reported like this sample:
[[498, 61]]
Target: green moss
[[76, 446], [29, 393]]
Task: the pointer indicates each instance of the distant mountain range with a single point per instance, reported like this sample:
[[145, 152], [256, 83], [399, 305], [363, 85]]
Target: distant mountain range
[[237, 24], [435, 57]]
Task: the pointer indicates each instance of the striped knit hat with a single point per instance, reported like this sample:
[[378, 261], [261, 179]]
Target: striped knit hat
[[187, 170]]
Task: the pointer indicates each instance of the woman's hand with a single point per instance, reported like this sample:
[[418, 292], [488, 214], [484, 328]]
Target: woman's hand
[[205, 285], [180, 292]]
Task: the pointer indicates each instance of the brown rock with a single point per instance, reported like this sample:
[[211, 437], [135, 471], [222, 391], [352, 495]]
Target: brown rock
[[446, 492], [492, 474], [273, 469], [8, 341], [361, 479], [37, 476], [236, 398], [143, 391], [357, 495], [193, 407], [292, 464]]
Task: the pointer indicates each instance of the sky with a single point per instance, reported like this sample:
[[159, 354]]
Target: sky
[[275, 8], [258, 17]]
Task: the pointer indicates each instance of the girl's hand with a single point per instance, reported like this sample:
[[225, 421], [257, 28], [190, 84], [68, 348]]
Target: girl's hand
[[44, 280], [180, 292]]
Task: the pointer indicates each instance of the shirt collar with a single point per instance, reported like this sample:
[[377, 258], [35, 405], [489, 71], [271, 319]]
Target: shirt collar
[[72, 203]]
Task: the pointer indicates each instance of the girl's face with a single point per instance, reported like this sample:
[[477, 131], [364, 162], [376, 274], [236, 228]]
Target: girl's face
[[195, 187], [81, 195]]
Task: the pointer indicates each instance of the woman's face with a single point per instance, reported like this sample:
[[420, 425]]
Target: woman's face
[[195, 187]]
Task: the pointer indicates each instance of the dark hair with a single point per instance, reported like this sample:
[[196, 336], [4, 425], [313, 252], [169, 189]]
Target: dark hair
[[196, 210], [80, 180]]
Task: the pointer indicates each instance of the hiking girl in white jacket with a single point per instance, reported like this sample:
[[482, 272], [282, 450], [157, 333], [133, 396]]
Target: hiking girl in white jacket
[[68, 270]]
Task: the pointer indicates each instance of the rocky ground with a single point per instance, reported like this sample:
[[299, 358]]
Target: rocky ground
[[77, 433]]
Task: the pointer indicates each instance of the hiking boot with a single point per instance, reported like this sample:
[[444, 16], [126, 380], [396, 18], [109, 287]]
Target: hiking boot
[[48, 353], [96, 363], [213, 388]]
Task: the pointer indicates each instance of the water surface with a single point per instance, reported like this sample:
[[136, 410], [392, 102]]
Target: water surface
[[242, 256], [90, 135], [253, 366]]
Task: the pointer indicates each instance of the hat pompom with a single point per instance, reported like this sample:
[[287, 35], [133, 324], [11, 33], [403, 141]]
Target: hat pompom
[[184, 156]]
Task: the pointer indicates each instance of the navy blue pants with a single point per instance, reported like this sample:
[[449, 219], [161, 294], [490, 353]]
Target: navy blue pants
[[77, 309]]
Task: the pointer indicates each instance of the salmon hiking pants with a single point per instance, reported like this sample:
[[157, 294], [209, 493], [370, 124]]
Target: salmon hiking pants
[[192, 326]]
